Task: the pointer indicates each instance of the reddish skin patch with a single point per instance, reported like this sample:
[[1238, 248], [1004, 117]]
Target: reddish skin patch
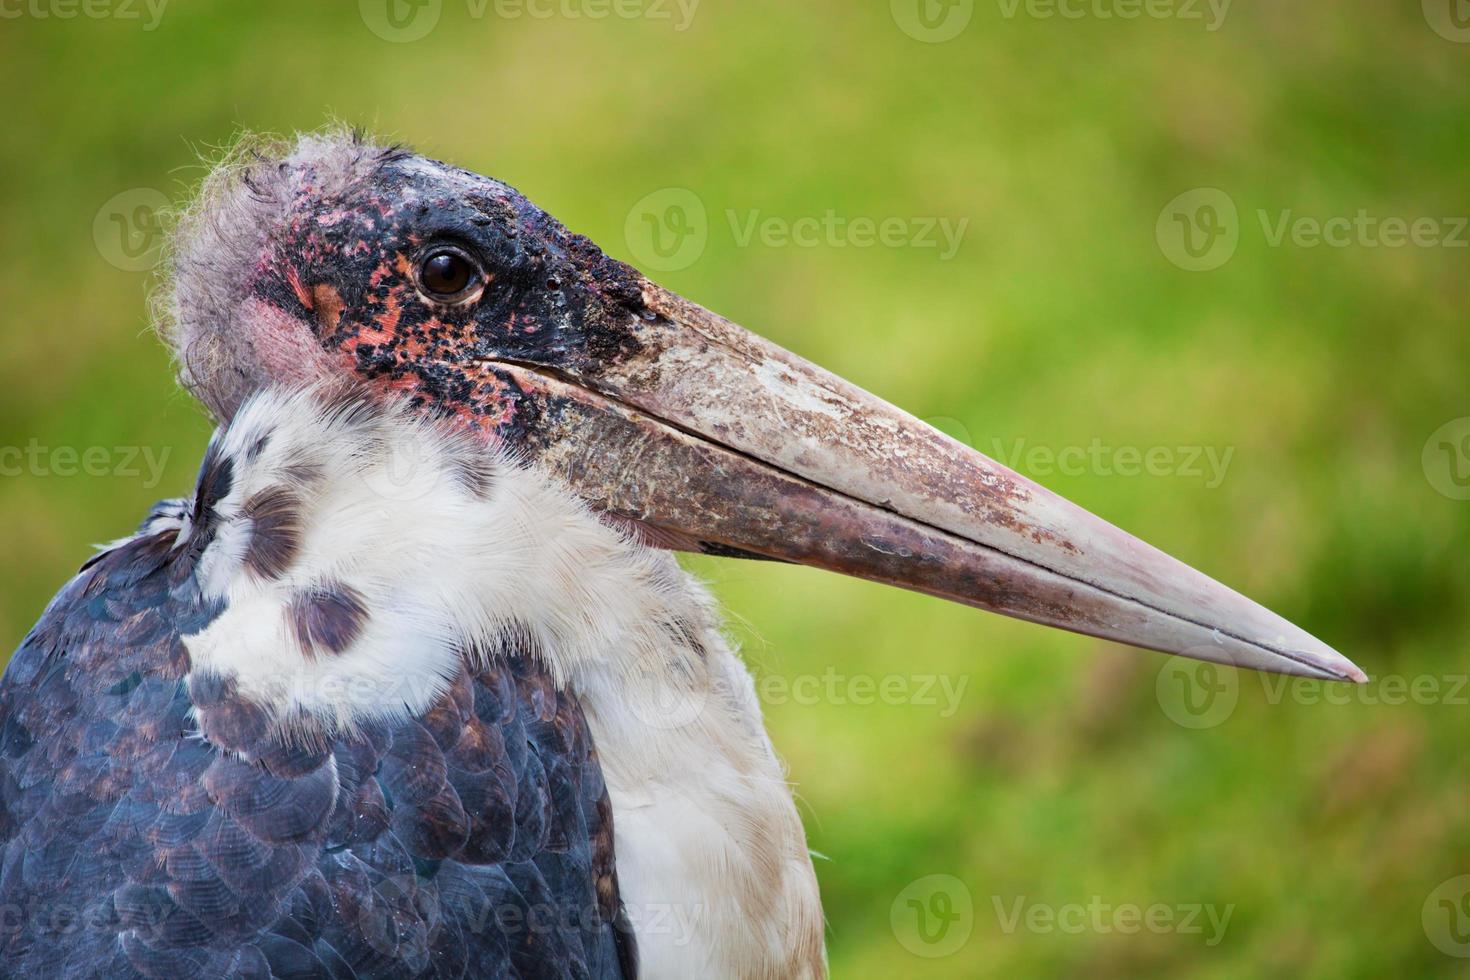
[[284, 349], [298, 288]]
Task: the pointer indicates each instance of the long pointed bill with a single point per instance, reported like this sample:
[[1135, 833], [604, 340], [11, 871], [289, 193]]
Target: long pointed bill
[[712, 437]]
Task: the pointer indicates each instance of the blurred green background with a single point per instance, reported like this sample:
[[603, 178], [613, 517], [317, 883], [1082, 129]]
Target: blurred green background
[[1066, 772]]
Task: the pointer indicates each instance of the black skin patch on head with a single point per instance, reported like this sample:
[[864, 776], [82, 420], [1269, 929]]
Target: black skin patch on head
[[347, 263], [275, 538], [328, 618]]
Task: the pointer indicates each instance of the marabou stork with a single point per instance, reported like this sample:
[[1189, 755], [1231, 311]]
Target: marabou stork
[[411, 684]]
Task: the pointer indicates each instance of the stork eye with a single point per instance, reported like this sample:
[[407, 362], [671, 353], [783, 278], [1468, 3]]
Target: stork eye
[[448, 274]]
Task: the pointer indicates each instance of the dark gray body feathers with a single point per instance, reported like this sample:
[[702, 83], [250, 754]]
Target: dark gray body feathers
[[154, 824]]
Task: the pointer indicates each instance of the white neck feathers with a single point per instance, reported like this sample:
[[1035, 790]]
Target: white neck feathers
[[362, 552]]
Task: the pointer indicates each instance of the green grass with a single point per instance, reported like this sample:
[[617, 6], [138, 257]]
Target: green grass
[[1059, 321]]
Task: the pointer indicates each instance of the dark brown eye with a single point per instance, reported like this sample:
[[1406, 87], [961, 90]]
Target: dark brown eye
[[448, 274]]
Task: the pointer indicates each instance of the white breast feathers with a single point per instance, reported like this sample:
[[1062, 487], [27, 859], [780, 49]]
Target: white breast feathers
[[361, 551]]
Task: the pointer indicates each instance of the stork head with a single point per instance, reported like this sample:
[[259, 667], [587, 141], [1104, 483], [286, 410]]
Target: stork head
[[334, 257]]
